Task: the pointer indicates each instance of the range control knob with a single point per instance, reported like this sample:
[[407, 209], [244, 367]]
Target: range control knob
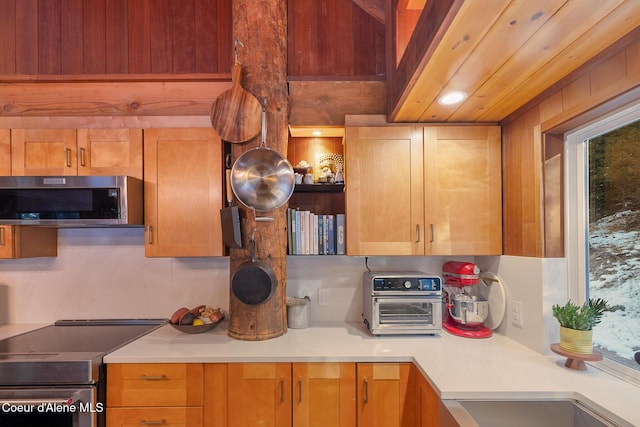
[[407, 284]]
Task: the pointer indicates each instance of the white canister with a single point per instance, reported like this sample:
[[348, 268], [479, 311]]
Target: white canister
[[298, 312]]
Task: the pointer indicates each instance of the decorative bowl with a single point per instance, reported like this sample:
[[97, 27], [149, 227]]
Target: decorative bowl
[[197, 329]]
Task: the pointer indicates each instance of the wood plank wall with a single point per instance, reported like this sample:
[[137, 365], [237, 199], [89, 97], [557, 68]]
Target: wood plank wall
[[334, 38], [123, 37], [74, 37], [531, 134]]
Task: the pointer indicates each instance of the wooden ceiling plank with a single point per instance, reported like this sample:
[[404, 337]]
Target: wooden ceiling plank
[[576, 18], [469, 27], [613, 27], [512, 30]]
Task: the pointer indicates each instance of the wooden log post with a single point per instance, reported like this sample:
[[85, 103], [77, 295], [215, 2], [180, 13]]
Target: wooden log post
[[261, 26]]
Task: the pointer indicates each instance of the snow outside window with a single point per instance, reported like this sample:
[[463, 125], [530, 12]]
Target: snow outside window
[[603, 231]]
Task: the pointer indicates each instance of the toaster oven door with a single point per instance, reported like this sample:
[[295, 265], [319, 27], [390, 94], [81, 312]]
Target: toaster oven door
[[401, 315]]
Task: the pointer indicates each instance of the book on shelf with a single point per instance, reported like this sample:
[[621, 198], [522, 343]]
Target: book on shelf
[[309, 233]]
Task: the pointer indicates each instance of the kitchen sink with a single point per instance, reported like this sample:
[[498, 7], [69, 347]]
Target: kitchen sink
[[526, 413]]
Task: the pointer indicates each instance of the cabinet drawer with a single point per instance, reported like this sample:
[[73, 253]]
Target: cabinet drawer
[[150, 416], [154, 384]]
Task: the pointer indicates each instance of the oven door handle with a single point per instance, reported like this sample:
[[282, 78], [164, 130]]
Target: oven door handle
[[57, 401], [74, 398]]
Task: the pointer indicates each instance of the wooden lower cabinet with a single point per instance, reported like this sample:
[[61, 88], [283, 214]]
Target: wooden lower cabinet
[[165, 416], [167, 394], [259, 394], [324, 394], [309, 394], [429, 401], [27, 242], [385, 395]]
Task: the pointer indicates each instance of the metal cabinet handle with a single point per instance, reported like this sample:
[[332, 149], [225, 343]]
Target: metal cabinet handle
[[366, 391], [281, 389], [152, 423], [299, 390], [82, 153], [149, 235], [431, 232], [153, 377], [2, 242], [67, 157], [417, 233]]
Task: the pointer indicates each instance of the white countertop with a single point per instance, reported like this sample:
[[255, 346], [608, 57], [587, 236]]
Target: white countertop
[[458, 368]]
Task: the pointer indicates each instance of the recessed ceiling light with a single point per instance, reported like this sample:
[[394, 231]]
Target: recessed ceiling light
[[316, 133], [451, 98]]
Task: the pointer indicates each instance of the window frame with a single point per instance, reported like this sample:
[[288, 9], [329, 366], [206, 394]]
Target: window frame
[[576, 212]]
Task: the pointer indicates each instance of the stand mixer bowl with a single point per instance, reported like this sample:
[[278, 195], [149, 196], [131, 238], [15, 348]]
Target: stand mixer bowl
[[469, 310]]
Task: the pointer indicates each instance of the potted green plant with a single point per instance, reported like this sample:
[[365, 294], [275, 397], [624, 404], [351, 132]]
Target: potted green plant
[[577, 322]]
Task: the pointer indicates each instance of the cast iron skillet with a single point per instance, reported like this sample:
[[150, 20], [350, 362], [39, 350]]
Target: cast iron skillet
[[254, 282]]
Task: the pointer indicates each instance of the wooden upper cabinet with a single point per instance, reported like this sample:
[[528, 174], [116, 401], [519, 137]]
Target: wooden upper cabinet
[[76, 152], [384, 395], [110, 152], [324, 391], [43, 152], [5, 152], [433, 190], [27, 242], [259, 395], [384, 190], [463, 190], [183, 192]]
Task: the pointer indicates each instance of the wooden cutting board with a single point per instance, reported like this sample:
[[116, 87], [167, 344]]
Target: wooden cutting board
[[236, 114]]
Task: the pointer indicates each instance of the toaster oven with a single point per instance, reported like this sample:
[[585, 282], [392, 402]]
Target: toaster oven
[[402, 302]]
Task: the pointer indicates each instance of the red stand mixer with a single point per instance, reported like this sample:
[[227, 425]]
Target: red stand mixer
[[465, 311]]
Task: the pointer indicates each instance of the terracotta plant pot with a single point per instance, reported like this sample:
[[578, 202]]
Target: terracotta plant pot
[[574, 341]]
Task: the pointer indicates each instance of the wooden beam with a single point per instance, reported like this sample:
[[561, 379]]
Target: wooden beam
[[326, 103], [264, 57], [153, 98]]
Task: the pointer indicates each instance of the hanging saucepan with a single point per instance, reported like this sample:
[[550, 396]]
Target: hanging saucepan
[[254, 282], [262, 178]]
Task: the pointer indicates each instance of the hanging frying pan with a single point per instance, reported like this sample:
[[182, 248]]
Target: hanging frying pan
[[254, 282], [262, 178], [235, 114]]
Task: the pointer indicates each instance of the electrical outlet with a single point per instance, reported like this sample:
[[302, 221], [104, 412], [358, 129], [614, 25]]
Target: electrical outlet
[[323, 297], [516, 314]]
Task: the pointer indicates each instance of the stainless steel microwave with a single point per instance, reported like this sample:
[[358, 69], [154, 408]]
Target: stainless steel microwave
[[71, 201]]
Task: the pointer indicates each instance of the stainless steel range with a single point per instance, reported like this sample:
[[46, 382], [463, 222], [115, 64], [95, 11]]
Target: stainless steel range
[[407, 302], [54, 376]]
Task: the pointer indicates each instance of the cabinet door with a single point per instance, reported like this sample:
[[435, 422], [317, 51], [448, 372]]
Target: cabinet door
[[183, 192], [166, 417], [5, 152], [154, 384], [43, 152], [259, 394], [384, 191], [110, 152], [428, 401], [383, 389], [324, 394], [6, 242], [27, 242], [463, 190]]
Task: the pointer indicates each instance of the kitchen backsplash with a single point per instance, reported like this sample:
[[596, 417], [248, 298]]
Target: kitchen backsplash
[[103, 273]]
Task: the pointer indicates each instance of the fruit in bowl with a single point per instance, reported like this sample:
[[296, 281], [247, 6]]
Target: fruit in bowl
[[196, 320]]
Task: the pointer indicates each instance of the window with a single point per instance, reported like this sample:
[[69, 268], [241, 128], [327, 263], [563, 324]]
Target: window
[[603, 231]]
